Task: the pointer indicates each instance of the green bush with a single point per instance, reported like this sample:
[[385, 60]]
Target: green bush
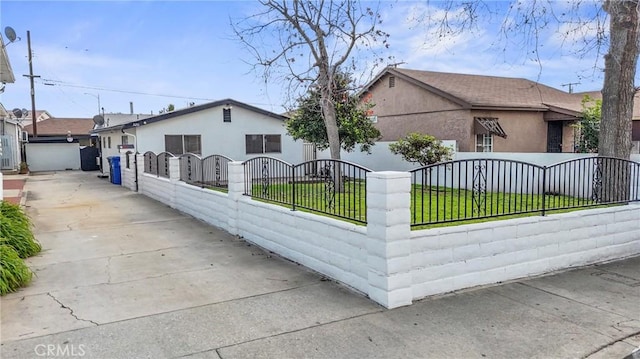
[[14, 273], [15, 230]]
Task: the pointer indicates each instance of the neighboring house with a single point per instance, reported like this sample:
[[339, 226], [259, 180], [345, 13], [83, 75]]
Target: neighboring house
[[41, 115], [61, 129], [226, 127], [481, 113], [58, 144], [9, 130], [10, 137], [6, 72], [114, 119]]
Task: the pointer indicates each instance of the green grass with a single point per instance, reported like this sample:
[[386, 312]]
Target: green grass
[[312, 196], [431, 204], [446, 206], [15, 230], [14, 273]]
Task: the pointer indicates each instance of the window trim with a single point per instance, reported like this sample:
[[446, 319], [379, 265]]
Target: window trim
[[262, 138], [183, 147], [483, 145]]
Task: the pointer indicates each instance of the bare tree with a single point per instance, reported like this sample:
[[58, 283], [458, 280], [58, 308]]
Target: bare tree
[[324, 33], [577, 20]]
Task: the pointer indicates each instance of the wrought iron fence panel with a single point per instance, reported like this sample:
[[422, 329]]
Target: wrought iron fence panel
[[150, 163], [472, 189], [337, 188], [215, 171], [163, 164], [592, 181], [191, 169], [483, 188], [269, 179]]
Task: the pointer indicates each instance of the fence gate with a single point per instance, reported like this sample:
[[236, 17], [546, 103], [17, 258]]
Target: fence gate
[[8, 152]]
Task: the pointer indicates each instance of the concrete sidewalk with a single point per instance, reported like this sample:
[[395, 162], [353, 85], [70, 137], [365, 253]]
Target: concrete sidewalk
[[123, 276]]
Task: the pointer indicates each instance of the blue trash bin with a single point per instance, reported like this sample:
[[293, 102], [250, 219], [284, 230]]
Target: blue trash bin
[[114, 167]]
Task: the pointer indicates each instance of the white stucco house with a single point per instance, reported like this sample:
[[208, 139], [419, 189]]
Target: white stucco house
[[225, 127]]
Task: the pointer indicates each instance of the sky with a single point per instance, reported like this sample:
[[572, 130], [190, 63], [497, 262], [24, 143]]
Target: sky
[[155, 53]]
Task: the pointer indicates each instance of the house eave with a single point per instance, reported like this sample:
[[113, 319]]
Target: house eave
[[193, 109]]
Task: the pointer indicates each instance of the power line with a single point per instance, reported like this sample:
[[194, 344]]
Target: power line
[[50, 82]]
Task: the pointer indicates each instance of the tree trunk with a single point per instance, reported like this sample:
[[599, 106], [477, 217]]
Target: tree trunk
[[620, 69], [612, 178]]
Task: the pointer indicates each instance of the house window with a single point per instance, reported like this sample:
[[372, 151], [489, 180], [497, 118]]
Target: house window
[[484, 142], [180, 144], [226, 114], [125, 140], [392, 81], [104, 142], [109, 142], [192, 144], [263, 144]]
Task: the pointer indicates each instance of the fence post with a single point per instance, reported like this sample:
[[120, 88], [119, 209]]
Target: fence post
[[174, 169], [544, 189], [140, 164], [388, 232], [235, 192]]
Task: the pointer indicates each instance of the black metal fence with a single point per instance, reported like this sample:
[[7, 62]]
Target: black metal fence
[[333, 187], [211, 171], [483, 188], [157, 164]]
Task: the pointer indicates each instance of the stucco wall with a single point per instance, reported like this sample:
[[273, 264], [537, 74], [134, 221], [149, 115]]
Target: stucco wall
[[526, 131], [218, 137], [407, 108]]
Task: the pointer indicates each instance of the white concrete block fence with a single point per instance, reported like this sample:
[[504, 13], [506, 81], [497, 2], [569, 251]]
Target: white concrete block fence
[[385, 259]]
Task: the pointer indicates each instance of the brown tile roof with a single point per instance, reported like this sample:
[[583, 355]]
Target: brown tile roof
[[493, 91], [60, 126]]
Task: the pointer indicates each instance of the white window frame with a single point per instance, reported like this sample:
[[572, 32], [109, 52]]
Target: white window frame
[[484, 142]]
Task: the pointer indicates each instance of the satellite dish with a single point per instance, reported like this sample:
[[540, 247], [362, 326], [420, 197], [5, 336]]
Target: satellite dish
[[25, 112], [98, 120], [17, 112], [10, 33]]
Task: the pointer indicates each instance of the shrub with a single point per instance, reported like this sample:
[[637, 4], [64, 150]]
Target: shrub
[[15, 230], [14, 273], [423, 149]]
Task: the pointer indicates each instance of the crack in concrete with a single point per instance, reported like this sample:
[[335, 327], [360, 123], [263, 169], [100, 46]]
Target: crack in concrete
[[565, 318], [605, 346], [71, 310], [109, 270]]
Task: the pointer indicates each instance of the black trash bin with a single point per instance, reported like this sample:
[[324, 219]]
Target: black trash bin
[[114, 169]]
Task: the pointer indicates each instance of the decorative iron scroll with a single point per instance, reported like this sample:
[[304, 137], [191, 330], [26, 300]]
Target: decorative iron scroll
[[265, 178], [217, 168], [479, 189], [329, 186], [189, 170], [596, 193]]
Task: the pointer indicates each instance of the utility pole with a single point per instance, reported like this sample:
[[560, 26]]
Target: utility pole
[[570, 84], [31, 76]]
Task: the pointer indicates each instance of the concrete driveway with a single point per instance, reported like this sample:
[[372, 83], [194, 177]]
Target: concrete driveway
[[123, 276]]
